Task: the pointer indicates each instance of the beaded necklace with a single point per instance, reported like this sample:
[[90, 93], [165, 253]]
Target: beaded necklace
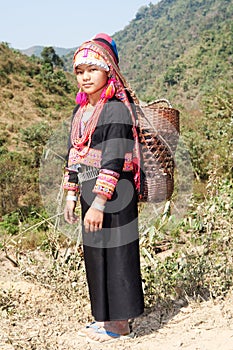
[[85, 117], [79, 138]]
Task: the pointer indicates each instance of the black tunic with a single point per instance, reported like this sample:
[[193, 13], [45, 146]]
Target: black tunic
[[112, 255]]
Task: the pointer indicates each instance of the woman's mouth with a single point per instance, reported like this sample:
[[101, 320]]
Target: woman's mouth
[[87, 85]]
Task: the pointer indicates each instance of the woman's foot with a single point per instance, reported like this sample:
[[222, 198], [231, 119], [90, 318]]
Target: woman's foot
[[109, 331], [119, 327]]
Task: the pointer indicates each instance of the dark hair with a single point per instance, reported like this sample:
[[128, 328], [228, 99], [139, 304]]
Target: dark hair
[[112, 50]]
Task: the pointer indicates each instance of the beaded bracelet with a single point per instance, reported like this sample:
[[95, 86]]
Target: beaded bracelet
[[71, 198]]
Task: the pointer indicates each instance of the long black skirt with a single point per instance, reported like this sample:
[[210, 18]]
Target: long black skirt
[[112, 255]]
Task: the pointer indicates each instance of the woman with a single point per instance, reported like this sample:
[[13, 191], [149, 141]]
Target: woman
[[101, 166]]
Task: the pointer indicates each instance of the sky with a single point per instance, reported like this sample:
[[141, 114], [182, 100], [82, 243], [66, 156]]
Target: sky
[[63, 23]]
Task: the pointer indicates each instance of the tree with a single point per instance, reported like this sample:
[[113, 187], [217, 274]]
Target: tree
[[50, 57]]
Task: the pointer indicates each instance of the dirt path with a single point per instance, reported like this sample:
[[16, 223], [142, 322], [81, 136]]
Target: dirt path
[[35, 317]]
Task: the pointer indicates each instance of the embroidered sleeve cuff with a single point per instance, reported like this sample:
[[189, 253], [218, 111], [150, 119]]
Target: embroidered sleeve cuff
[[68, 185], [106, 182]]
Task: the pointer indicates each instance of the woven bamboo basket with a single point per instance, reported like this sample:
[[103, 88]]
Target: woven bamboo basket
[[158, 134]]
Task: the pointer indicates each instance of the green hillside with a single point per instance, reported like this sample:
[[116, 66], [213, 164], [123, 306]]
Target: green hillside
[[32, 92], [183, 50], [36, 97], [178, 47]]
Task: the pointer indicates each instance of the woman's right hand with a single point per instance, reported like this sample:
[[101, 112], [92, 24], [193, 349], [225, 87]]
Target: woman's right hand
[[69, 214]]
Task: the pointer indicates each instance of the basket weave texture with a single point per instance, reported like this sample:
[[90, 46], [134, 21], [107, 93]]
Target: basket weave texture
[[158, 133]]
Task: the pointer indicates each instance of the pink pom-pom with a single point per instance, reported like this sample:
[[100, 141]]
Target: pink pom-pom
[[81, 98]]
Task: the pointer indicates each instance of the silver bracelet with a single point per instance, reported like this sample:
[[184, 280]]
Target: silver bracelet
[[71, 198], [97, 206]]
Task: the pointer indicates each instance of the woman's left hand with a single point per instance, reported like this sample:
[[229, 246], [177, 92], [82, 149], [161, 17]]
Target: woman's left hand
[[93, 220]]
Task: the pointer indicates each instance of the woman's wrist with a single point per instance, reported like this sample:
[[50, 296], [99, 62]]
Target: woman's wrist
[[97, 206], [99, 203], [70, 197], [100, 199]]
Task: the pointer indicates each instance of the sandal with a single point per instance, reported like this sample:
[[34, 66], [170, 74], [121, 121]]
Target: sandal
[[92, 325], [113, 336]]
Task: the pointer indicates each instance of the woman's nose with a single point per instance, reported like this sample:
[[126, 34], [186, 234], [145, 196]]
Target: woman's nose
[[86, 75]]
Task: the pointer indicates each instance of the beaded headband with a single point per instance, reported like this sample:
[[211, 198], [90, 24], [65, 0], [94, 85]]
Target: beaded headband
[[87, 55]]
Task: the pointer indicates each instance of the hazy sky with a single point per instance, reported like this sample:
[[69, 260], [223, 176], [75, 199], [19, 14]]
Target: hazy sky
[[25, 23]]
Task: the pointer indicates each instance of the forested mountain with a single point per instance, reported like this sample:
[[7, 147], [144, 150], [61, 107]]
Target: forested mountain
[[178, 47], [36, 51]]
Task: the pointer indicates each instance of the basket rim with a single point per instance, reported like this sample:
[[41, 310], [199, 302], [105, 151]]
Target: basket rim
[[154, 102]]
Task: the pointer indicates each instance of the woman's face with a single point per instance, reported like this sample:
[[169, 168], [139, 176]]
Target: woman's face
[[91, 79]]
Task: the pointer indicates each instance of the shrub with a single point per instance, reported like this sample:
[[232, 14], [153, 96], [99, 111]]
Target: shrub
[[201, 263]]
